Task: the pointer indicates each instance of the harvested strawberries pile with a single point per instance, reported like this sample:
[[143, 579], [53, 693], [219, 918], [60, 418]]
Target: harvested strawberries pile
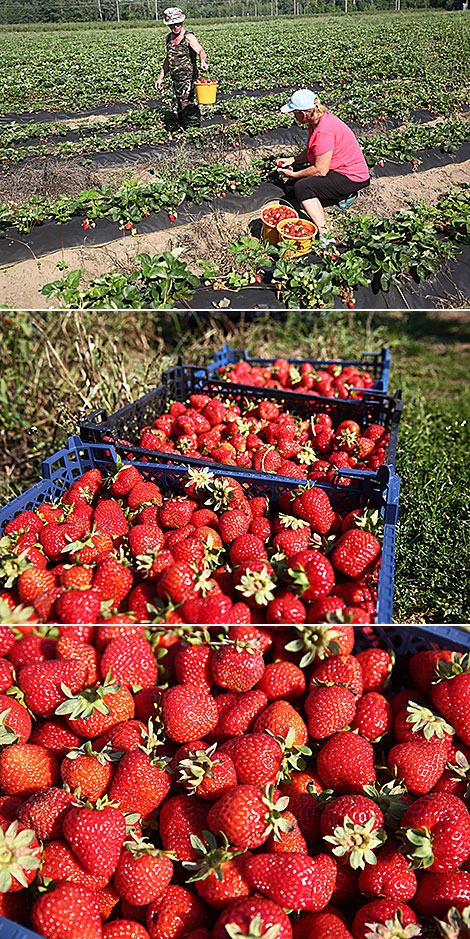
[[250, 784], [266, 437], [118, 551], [334, 381], [275, 214]]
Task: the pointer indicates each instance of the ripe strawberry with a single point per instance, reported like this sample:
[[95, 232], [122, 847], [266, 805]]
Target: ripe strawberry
[[143, 872], [54, 734], [20, 856], [192, 666], [15, 722], [141, 780], [33, 582], [237, 666], [206, 773], [79, 606], [130, 662], [217, 873], [419, 764], [214, 608], [44, 812], [356, 553], [188, 713], [450, 694], [438, 892], [345, 762], [394, 916], [237, 713], [257, 757], [89, 770], [437, 832], [313, 505], [417, 722], [297, 881], [96, 836], [25, 768], [112, 580], [144, 493], [329, 709], [124, 480], [390, 876], [376, 665], [127, 735], [246, 815], [176, 914], [422, 667], [253, 916], [109, 517], [97, 709], [124, 929], [328, 924], [25, 521], [60, 863], [373, 718], [340, 669], [321, 642], [352, 824], [287, 842], [68, 911]]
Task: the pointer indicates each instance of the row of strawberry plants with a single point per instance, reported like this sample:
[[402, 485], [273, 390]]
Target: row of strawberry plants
[[66, 70], [399, 145], [131, 202], [380, 250]]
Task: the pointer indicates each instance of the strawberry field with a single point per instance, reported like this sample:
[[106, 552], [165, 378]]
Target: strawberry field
[[102, 191]]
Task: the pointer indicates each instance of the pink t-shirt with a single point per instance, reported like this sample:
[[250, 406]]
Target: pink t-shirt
[[332, 134]]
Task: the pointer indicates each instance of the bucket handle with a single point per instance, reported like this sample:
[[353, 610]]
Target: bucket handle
[[277, 202]]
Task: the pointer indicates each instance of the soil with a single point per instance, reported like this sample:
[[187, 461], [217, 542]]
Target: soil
[[207, 238]]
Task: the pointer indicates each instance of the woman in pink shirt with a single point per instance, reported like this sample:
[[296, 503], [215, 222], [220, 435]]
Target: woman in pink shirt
[[335, 165]]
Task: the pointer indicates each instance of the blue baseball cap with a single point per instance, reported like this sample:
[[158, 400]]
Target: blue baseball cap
[[301, 100]]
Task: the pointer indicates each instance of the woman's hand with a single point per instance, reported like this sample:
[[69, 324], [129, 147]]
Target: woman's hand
[[287, 171], [159, 83], [284, 161], [204, 66]]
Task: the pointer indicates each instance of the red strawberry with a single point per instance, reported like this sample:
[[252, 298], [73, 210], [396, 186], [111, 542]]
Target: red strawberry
[[96, 837], [79, 606], [329, 708], [297, 881], [25, 768], [44, 812], [356, 553], [237, 666], [393, 914], [237, 712], [68, 911], [257, 757], [438, 892], [176, 914], [15, 722], [207, 773], [60, 863], [252, 916], [313, 505], [20, 856], [218, 873], [419, 764], [181, 817], [391, 875], [352, 824], [124, 929], [246, 815], [143, 872], [188, 713], [437, 832], [345, 762], [130, 662]]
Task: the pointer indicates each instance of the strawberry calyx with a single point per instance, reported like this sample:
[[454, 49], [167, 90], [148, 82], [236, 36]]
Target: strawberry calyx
[[291, 523], [292, 754], [370, 520], [253, 931], [17, 855], [456, 925], [257, 584], [196, 767], [88, 700], [151, 741], [389, 799], [318, 641], [461, 768], [418, 842], [7, 734], [276, 824], [104, 756], [357, 842], [12, 565], [393, 929], [141, 847], [422, 718], [213, 856], [458, 665]]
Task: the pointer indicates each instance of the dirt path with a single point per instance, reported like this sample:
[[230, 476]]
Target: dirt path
[[207, 238]]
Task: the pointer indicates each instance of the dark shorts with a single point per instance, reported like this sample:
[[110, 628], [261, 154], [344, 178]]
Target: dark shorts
[[328, 189]]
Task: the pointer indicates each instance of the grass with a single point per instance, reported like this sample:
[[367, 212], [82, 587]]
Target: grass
[[56, 365]]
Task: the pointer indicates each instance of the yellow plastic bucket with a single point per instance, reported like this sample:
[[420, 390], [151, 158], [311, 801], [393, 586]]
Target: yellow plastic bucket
[[301, 244], [206, 91], [269, 231]]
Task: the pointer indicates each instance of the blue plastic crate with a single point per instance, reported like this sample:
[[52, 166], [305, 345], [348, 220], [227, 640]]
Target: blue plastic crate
[[377, 363], [11, 930], [122, 428], [381, 491]]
